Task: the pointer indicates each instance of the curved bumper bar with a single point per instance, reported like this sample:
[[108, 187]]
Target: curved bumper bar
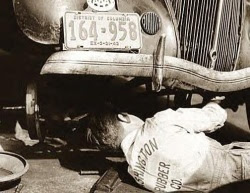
[[140, 65]]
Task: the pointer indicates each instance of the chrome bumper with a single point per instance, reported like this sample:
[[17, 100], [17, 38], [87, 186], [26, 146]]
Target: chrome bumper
[[141, 65]]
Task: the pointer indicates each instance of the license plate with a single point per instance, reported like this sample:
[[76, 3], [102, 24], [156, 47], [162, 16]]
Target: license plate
[[87, 30]]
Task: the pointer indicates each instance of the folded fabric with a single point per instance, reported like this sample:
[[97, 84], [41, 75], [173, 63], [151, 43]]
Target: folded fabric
[[23, 135]]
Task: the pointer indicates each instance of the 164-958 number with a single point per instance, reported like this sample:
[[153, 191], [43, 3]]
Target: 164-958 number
[[115, 32], [85, 32]]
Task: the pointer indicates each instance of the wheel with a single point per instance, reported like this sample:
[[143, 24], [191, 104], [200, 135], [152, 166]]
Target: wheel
[[32, 113]]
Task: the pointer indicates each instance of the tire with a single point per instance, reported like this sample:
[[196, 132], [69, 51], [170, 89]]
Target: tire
[[32, 113]]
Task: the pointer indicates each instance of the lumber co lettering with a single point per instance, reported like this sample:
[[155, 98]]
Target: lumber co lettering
[[145, 152]]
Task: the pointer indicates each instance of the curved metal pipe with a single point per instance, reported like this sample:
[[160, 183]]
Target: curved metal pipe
[[141, 65]]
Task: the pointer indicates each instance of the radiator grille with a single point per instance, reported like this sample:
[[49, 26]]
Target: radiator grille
[[197, 19]]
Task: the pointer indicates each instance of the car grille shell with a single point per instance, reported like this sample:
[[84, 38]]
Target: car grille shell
[[197, 21]]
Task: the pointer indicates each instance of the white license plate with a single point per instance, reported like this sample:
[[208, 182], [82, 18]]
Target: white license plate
[[87, 30]]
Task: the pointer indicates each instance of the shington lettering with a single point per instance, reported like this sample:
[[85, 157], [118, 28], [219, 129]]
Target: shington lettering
[[145, 152]]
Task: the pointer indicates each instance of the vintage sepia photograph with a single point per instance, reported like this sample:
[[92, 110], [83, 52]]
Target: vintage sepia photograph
[[124, 96]]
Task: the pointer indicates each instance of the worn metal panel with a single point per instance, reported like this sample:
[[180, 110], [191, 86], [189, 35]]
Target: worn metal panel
[[40, 20]]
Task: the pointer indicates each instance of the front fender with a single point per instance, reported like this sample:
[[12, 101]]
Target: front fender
[[40, 20]]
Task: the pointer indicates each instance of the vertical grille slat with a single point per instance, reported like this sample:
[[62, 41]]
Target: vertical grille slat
[[178, 14], [209, 37], [195, 33], [188, 27], [226, 35], [197, 23], [236, 21], [204, 35], [222, 50], [197, 38], [232, 36]]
